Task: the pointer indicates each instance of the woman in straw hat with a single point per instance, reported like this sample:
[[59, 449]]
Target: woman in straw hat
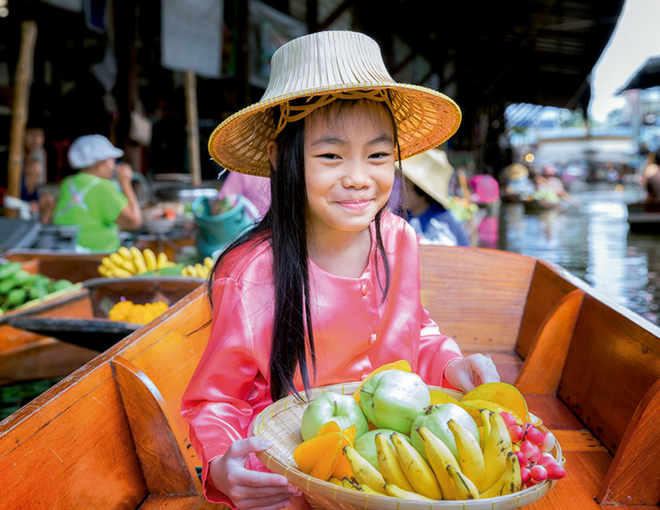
[[326, 287], [427, 203]]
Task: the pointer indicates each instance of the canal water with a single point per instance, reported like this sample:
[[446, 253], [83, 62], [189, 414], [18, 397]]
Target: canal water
[[593, 242]]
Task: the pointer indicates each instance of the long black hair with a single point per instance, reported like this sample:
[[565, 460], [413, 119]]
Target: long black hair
[[284, 226]]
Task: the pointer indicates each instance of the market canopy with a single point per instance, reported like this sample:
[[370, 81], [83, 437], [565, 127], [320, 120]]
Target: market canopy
[[646, 77]]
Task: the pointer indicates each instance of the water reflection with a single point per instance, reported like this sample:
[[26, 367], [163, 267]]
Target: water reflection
[[593, 242]]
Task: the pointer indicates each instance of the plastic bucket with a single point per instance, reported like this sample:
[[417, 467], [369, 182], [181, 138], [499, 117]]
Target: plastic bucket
[[215, 232]]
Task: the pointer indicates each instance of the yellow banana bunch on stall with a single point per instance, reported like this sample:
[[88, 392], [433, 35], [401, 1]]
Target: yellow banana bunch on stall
[[199, 270], [127, 262]]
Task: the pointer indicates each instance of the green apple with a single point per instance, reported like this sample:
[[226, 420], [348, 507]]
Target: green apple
[[343, 409], [392, 399], [435, 418], [365, 445]]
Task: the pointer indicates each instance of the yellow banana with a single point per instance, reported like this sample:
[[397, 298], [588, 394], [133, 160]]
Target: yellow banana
[[498, 445], [470, 456], [352, 483], [439, 456], [150, 259], [138, 260], [208, 262], [108, 263], [363, 471], [388, 465], [417, 471], [463, 486], [202, 272], [120, 261], [510, 480], [125, 253], [161, 261], [397, 492], [335, 481], [103, 271], [485, 418]]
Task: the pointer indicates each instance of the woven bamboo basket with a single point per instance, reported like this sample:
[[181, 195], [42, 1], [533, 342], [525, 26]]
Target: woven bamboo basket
[[280, 424]]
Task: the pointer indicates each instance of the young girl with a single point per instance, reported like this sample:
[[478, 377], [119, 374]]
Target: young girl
[[326, 287]]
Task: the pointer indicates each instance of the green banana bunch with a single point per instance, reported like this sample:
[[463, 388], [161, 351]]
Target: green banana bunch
[[17, 286]]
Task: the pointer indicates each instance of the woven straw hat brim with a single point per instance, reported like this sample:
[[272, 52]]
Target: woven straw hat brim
[[425, 118]]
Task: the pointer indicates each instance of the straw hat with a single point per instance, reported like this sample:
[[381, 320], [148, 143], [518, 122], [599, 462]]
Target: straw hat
[[331, 65], [431, 172], [516, 171]]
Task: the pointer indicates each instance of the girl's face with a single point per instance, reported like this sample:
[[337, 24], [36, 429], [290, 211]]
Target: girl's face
[[349, 167]]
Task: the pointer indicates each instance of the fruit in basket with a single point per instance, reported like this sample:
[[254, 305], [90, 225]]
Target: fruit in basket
[[127, 311], [366, 444], [322, 456], [363, 471], [342, 409], [18, 287], [499, 397], [497, 447], [388, 463], [509, 482], [470, 457], [436, 418], [464, 488], [417, 471], [392, 399], [397, 492], [439, 457], [199, 270], [396, 365]]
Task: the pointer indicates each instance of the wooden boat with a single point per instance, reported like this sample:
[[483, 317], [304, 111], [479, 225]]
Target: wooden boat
[[56, 337], [25, 355], [644, 217], [111, 436]]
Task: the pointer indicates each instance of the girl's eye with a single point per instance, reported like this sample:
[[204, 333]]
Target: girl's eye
[[380, 155], [328, 156]]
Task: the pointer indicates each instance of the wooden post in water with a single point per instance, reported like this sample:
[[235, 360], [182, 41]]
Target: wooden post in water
[[20, 106], [192, 127]]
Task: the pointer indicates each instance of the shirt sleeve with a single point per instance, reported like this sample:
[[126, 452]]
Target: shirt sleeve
[[111, 200], [435, 351], [216, 403]]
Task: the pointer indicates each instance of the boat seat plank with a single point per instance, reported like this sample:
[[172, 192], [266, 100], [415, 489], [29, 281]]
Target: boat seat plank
[[541, 372], [165, 469], [632, 471], [455, 292], [546, 290]]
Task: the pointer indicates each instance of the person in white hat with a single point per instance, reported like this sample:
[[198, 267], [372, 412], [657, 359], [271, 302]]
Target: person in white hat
[[90, 200], [427, 203], [326, 288]]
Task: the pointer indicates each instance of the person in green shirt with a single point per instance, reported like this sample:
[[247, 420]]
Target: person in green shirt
[[91, 201]]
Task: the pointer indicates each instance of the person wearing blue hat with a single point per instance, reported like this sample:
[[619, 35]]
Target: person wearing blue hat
[[91, 201]]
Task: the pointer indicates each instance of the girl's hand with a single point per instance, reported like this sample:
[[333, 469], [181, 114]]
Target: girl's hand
[[250, 489], [471, 371]]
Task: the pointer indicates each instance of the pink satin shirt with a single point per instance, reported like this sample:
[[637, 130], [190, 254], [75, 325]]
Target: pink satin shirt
[[355, 331]]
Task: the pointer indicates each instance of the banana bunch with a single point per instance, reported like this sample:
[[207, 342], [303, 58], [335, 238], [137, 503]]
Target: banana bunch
[[199, 270], [126, 262], [477, 473]]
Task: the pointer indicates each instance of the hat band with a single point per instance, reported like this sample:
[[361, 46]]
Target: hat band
[[292, 113]]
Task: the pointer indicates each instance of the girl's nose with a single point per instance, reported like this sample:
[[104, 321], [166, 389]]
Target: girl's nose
[[357, 176]]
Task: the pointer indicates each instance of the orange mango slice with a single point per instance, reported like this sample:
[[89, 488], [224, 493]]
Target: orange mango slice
[[322, 456], [440, 397]]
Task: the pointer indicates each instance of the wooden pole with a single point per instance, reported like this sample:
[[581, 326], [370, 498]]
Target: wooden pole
[[20, 107], [192, 127]]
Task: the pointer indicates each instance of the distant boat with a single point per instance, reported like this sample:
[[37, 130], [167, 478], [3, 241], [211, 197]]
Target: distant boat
[[644, 217]]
